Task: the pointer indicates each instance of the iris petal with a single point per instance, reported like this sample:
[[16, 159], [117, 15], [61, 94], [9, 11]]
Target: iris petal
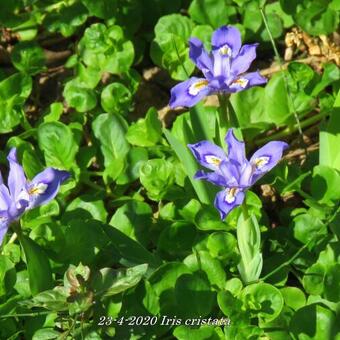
[[228, 199], [243, 60], [227, 37], [266, 158], [44, 186], [200, 57], [16, 176], [236, 148], [212, 177], [4, 223], [245, 81], [208, 154], [189, 92]]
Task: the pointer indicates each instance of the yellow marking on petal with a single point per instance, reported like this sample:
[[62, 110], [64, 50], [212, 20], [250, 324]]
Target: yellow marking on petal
[[241, 81], [213, 160], [261, 162], [198, 86], [231, 193], [225, 50], [38, 189]]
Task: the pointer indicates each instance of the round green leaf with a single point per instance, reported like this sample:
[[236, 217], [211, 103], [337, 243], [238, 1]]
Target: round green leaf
[[28, 57], [267, 298], [116, 98]]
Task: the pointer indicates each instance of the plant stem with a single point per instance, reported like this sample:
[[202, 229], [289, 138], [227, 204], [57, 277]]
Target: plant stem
[[224, 114], [285, 81], [13, 238], [289, 130]]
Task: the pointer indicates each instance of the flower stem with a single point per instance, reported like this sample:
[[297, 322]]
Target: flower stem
[[289, 130], [224, 114], [13, 238], [285, 80]]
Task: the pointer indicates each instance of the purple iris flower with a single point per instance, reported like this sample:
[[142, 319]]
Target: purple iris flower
[[233, 171], [21, 194], [223, 68]]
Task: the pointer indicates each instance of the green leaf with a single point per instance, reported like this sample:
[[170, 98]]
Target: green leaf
[[330, 138], [87, 203], [14, 91], [111, 281], [57, 154], [28, 58], [157, 176], [202, 261], [103, 9], [313, 280], [221, 244], [215, 13], [293, 297], [332, 283], [169, 49], [7, 275], [317, 17], [83, 239], [116, 98], [325, 185], [267, 299], [204, 332], [146, 131], [177, 240], [313, 322], [53, 300], [45, 334], [80, 97], [129, 250], [194, 295], [208, 218], [307, 226], [133, 219], [110, 131], [136, 157], [38, 266], [106, 48]]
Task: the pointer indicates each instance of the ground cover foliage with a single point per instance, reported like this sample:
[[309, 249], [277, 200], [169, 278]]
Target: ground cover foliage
[[128, 244]]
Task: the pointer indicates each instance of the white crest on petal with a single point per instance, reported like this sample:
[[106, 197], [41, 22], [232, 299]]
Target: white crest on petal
[[196, 87], [243, 82], [38, 189], [230, 196], [213, 160], [225, 50], [260, 162]]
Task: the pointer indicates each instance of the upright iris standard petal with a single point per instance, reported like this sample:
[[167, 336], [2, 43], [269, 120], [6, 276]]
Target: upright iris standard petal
[[207, 154], [189, 92], [228, 199], [236, 148], [200, 57], [44, 186], [16, 176], [264, 159], [221, 66], [243, 60], [227, 39]]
